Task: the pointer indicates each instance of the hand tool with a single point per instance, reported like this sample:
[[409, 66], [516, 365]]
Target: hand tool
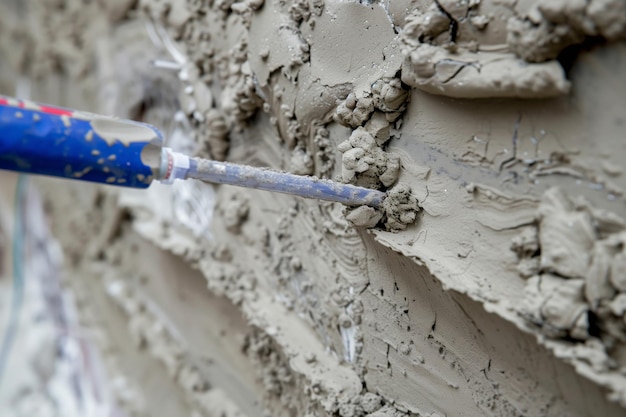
[[48, 140]]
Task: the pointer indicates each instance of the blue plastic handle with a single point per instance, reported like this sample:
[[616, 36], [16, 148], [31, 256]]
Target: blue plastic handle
[[47, 140]]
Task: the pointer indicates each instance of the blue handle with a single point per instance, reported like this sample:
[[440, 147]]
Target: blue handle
[[46, 140]]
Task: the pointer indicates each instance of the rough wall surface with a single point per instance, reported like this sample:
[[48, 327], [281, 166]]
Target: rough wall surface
[[504, 297]]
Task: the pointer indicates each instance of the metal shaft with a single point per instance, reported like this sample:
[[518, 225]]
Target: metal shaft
[[282, 182]]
